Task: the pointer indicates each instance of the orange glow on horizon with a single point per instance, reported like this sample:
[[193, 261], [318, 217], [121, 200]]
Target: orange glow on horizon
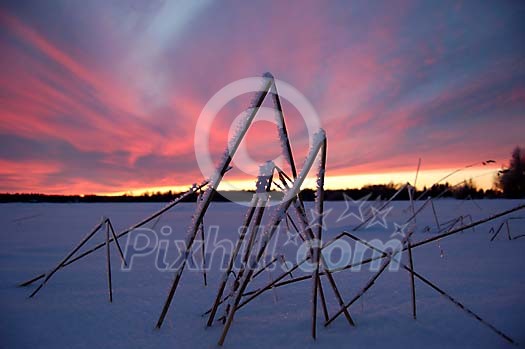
[[482, 177]]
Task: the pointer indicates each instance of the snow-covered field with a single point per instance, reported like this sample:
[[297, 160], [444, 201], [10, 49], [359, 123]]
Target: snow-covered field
[[72, 310]]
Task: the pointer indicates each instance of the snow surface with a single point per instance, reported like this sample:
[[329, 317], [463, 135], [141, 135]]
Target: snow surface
[[72, 310]]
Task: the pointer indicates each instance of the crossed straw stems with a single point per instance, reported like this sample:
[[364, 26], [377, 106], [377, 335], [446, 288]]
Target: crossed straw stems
[[389, 256]]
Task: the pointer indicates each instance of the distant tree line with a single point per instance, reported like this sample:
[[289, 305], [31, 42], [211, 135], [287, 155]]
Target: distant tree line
[[511, 180], [509, 183], [384, 191]]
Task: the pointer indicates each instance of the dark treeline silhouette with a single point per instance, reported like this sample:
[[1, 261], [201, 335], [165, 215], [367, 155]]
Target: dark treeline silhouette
[[384, 191], [510, 183], [511, 180]]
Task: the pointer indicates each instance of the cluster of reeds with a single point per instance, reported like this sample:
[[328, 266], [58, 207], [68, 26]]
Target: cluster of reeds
[[233, 291]]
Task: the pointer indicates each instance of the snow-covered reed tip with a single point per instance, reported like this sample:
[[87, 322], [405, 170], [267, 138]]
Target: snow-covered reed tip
[[319, 136]]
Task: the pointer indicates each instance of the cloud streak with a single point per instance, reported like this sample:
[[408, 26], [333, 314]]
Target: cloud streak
[[95, 104]]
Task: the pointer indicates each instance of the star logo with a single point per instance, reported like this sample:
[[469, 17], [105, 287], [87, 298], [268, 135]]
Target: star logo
[[379, 217], [292, 238], [399, 229], [350, 208], [318, 219]]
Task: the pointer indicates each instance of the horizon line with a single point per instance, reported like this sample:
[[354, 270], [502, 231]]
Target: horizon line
[[479, 177]]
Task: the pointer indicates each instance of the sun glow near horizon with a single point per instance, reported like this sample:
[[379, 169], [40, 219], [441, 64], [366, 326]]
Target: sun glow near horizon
[[483, 178], [92, 105]]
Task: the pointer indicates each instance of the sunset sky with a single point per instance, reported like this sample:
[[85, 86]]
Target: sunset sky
[[103, 96]]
